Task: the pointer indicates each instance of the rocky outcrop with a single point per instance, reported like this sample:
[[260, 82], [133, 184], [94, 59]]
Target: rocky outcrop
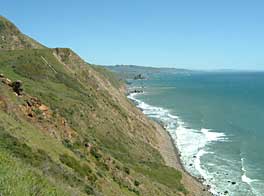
[[51, 123], [139, 77], [34, 108], [43, 108], [17, 87], [7, 81]]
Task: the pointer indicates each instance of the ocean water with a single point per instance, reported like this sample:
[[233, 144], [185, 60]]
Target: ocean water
[[217, 122]]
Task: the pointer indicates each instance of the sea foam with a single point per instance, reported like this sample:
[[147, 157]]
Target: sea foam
[[191, 143], [246, 179]]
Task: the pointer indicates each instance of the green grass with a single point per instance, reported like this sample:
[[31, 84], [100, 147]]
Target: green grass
[[82, 169], [77, 99], [20, 150], [162, 174], [18, 179], [35, 158], [96, 118]]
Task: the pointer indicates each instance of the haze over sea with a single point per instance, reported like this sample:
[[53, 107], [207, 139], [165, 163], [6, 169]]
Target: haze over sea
[[216, 120]]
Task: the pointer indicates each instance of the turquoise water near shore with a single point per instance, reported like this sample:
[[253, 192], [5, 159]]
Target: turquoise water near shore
[[217, 121]]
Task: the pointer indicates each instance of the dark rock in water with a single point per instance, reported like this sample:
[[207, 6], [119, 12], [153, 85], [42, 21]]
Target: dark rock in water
[[201, 179], [139, 77], [194, 156], [136, 91], [128, 83], [233, 182], [141, 109], [228, 181], [226, 192], [17, 87], [190, 164]]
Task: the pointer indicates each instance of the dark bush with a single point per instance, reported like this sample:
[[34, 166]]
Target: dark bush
[[89, 190], [127, 170], [67, 143], [136, 183], [95, 153]]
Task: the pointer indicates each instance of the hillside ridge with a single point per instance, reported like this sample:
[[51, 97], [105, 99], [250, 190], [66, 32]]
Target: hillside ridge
[[67, 128], [11, 38]]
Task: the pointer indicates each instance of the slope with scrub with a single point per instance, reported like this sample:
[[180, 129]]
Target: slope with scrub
[[73, 130]]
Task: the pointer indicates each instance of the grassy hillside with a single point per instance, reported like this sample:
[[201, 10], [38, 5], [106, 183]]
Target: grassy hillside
[[72, 131]]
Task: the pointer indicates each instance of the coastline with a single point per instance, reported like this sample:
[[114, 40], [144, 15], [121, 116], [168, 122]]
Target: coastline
[[170, 153], [171, 156]]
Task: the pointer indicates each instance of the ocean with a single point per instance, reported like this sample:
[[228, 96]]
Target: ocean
[[217, 122]]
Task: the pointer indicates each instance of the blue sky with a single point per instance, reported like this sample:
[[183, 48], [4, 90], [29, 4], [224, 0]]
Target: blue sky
[[198, 34]]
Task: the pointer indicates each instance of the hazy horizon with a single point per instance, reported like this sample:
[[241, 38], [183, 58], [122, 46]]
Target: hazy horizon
[[194, 69], [204, 35]]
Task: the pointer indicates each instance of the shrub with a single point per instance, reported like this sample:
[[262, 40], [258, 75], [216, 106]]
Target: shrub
[[67, 143], [133, 190], [89, 190], [127, 170], [136, 183], [95, 153]]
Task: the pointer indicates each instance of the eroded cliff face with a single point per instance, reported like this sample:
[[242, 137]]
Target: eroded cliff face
[[72, 129]]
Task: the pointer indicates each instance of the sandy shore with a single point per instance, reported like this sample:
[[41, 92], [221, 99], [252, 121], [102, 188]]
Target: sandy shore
[[171, 156]]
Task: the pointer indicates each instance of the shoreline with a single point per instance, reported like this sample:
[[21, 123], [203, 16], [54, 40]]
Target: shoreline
[[171, 156], [170, 153]]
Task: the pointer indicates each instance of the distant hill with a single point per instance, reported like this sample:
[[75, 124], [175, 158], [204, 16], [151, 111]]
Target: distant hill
[[132, 71]]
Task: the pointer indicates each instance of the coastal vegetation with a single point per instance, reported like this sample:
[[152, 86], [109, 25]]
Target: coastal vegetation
[[66, 127]]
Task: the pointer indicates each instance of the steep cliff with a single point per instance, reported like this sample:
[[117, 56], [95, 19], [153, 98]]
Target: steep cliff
[[71, 130]]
